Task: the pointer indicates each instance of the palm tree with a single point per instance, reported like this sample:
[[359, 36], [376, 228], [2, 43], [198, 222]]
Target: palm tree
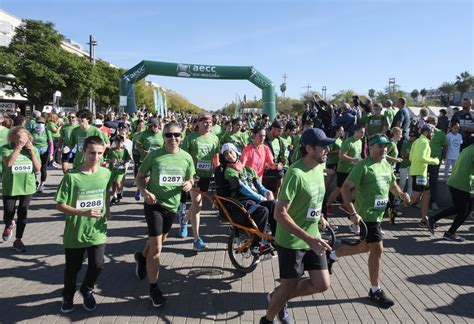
[[414, 94], [464, 82], [423, 93], [372, 94], [448, 88]]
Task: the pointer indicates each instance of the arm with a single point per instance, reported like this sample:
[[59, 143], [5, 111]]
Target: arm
[[346, 189], [141, 185], [397, 192], [343, 156], [68, 210], [283, 218]]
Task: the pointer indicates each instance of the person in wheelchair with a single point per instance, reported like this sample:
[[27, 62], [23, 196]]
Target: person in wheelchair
[[245, 186]]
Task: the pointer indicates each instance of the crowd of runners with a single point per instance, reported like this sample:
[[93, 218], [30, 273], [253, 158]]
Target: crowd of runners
[[368, 159]]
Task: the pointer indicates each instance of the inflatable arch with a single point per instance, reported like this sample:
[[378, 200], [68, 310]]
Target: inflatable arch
[[199, 71]]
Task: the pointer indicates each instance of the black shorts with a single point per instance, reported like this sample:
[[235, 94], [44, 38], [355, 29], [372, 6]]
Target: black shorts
[[332, 166], [374, 232], [341, 177], [203, 184], [293, 263], [65, 158], [420, 187], [158, 219]]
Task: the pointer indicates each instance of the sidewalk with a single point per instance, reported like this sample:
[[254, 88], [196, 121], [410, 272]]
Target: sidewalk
[[431, 280]]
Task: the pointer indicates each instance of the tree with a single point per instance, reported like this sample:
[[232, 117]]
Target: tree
[[372, 94], [423, 93], [179, 103], [414, 94], [144, 95], [464, 82], [33, 57], [343, 96], [448, 89], [106, 90]]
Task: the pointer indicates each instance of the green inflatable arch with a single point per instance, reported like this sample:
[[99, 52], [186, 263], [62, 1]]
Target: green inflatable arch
[[144, 68]]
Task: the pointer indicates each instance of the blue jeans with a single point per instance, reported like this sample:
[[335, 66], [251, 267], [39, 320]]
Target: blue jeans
[[433, 172]]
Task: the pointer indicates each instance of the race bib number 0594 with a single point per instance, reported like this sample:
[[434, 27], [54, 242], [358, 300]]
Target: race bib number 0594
[[22, 168]]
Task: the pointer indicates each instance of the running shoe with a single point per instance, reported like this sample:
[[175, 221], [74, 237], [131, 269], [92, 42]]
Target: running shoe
[[344, 210], [40, 188], [89, 300], [330, 261], [329, 211], [263, 320], [392, 214], [453, 237], [119, 196], [113, 201], [199, 245], [183, 223], [431, 225], [8, 231], [140, 267], [138, 195], [67, 305], [380, 299], [422, 224], [19, 246], [156, 297], [354, 228], [283, 315]]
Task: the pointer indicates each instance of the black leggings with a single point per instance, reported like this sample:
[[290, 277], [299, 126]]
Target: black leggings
[[9, 203], [136, 164], [44, 165], [462, 207], [74, 259]]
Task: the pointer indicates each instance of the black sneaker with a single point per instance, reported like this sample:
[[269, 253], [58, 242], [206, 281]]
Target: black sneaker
[[19, 246], [157, 298], [140, 267], [392, 214], [330, 261], [453, 237], [113, 201], [283, 315], [431, 225], [380, 299], [263, 320], [67, 305], [89, 300], [120, 196]]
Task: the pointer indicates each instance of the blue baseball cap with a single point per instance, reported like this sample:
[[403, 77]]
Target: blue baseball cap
[[315, 136]]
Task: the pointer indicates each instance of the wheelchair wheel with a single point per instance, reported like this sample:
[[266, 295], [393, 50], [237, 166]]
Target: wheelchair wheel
[[240, 255]]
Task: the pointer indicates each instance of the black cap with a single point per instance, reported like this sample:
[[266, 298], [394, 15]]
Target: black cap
[[315, 136], [277, 124]]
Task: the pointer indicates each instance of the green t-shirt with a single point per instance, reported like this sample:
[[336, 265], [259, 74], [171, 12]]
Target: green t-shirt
[[390, 114], [304, 189], [78, 136], [66, 132], [202, 149], [336, 146], [20, 178], [352, 147], [279, 148], [41, 140], [3, 141], [437, 142], [31, 124], [295, 154], [372, 180], [462, 176], [84, 191], [392, 151], [150, 141], [375, 124], [135, 139], [217, 130], [120, 157], [52, 125], [287, 141], [246, 176], [406, 146], [167, 172], [239, 139]]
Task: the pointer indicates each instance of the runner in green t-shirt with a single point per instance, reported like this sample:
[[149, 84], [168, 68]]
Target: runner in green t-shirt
[[389, 111], [43, 142], [170, 171], [236, 136], [65, 140], [349, 155], [372, 179], [298, 215], [203, 147], [118, 158], [3, 141], [396, 134], [150, 139], [376, 124], [83, 195], [20, 161], [461, 186]]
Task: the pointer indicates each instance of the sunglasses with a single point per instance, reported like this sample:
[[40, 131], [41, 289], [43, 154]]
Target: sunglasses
[[175, 135]]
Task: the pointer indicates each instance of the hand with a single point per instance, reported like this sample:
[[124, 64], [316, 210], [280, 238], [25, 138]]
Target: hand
[[356, 219], [269, 195], [51, 157], [399, 160], [319, 246], [290, 147], [406, 198], [280, 166], [66, 150], [96, 213], [329, 172], [323, 224], [22, 141], [29, 146], [150, 198], [187, 185]]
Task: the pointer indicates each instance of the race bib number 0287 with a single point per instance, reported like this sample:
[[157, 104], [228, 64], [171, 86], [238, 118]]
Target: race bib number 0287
[[173, 180]]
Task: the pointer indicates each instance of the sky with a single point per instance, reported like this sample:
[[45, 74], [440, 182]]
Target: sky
[[339, 44]]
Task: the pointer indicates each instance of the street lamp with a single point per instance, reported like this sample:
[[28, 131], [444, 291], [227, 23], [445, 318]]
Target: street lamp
[[92, 44]]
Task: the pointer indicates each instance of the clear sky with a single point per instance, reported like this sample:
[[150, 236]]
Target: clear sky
[[340, 44]]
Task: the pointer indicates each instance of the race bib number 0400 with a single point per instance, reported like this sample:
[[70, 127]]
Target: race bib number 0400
[[94, 203], [22, 168], [171, 180], [203, 165]]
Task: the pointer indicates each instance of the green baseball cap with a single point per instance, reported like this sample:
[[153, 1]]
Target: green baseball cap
[[378, 139]]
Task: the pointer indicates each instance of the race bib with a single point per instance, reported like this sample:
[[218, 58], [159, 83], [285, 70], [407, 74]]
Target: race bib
[[80, 144], [22, 168], [380, 202], [170, 180], [421, 180], [119, 166], [203, 165], [313, 215], [88, 201]]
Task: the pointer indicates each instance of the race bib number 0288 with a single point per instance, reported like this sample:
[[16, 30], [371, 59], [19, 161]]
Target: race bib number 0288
[[173, 180], [95, 203]]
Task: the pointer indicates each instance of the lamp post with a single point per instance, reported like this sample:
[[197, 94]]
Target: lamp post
[[92, 44], [391, 87], [323, 92]]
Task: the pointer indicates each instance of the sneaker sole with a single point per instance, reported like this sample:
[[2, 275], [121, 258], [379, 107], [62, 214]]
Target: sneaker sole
[[89, 309], [65, 311], [155, 305]]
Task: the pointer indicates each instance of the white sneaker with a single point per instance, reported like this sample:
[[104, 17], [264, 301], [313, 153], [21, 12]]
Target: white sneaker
[[354, 228], [40, 187]]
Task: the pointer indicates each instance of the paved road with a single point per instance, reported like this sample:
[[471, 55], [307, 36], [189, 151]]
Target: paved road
[[430, 279]]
